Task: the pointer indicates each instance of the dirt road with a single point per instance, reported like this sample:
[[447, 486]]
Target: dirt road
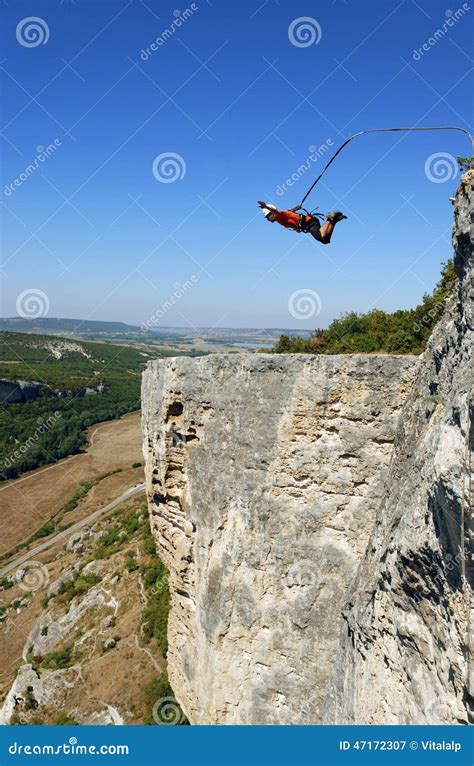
[[29, 555]]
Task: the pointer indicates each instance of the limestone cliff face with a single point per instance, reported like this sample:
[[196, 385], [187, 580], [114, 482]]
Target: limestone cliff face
[[264, 474], [315, 570], [407, 645]]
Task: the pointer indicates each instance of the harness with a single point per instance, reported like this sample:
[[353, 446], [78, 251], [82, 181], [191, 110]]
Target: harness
[[303, 225]]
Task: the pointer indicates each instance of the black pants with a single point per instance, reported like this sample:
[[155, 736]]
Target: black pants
[[313, 227]]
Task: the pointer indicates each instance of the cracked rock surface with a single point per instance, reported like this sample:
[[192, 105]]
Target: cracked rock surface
[[264, 474]]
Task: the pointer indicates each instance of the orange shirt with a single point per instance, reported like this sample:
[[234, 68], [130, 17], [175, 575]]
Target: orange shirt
[[289, 220]]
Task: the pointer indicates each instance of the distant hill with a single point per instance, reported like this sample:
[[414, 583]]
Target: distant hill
[[228, 333], [246, 337], [75, 326]]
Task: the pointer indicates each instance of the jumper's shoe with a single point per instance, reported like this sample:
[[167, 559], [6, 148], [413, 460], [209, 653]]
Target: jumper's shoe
[[335, 215]]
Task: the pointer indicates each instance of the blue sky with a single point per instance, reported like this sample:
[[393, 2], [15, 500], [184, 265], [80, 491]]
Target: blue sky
[[230, 93]]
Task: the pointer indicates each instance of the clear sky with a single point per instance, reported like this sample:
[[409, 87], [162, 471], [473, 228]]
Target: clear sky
[[227, 90]]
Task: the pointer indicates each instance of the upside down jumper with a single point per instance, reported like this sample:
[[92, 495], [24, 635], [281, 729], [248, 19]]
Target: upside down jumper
[[309, 224]]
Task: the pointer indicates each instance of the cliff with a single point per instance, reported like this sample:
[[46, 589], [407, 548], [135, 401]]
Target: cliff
[[315, 568], [407, 646], [14, 391]]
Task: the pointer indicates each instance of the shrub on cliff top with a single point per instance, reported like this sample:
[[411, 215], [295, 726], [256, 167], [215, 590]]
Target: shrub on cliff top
[[401, 332], [465, 163]]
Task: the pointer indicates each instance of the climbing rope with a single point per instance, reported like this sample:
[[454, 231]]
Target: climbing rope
[[378, 130]]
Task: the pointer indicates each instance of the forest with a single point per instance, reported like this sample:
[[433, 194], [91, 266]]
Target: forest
[[54, 425]]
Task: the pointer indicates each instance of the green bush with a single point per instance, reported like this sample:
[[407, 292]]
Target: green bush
[[155, 615], [110, 537], [44, 531], [130, 562], [30, 702], [79, 585], [159, 689], [59, 659], [65, 719], [130, 523], [402, 332], [465, 163], [149, 546]]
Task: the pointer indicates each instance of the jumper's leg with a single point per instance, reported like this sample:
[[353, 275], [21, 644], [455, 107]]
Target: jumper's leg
[[325, 232]]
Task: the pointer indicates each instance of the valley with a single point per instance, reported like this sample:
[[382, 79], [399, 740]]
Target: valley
[[29, 503], [83, 596]]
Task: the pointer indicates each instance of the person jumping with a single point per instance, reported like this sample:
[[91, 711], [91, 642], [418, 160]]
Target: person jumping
[[309, 224]]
